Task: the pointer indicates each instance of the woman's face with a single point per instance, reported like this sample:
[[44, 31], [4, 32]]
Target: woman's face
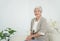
[[37, 12]]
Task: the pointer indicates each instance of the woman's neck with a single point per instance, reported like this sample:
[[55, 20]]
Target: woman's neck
[[37, 18]]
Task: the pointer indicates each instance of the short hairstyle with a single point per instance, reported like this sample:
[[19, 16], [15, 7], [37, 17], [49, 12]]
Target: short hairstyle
[[39, 7]]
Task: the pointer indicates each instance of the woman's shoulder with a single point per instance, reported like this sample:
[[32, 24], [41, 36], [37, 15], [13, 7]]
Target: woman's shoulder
[[33, 19], [43, 18]]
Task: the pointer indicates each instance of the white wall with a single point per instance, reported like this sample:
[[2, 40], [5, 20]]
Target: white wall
[[18, 14]]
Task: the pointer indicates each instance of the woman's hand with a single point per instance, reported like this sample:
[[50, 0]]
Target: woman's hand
[[29, 37], [32, 35]]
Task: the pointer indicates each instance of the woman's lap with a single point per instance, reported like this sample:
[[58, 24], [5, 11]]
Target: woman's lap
[[37, 40]]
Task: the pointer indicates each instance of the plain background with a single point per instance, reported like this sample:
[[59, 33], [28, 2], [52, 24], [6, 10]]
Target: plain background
[[17, 14]]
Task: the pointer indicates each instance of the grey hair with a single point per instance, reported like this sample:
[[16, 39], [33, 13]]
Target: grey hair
[[39, 7]]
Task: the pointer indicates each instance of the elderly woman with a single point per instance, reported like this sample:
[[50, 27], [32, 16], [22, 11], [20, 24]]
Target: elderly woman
[[38, 31]]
